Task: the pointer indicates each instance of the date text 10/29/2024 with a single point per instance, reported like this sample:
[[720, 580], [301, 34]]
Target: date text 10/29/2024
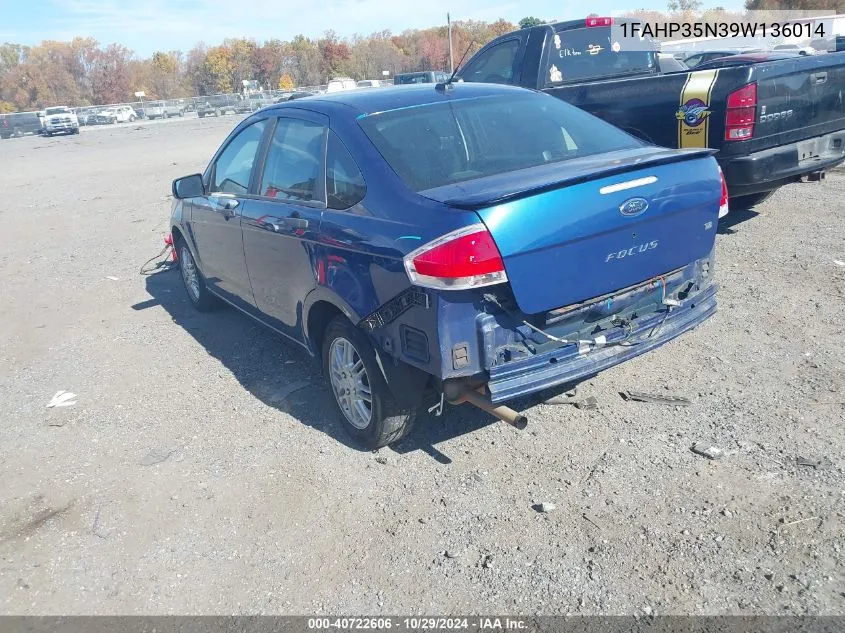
[[418, 624]]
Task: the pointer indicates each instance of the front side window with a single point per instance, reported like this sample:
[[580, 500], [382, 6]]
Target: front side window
[[493, 66], [294, 161], [445, 143], [234, 166], [345, 185]]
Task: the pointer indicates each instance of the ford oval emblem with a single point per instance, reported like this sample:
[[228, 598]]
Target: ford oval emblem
[[633, 207]]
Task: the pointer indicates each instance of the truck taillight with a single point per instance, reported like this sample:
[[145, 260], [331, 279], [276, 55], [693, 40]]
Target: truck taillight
[[591, 22], [466, 258], [723, 200], [741, 113]]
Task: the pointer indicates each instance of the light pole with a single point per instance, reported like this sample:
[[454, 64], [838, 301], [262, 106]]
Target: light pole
[[451, 62]]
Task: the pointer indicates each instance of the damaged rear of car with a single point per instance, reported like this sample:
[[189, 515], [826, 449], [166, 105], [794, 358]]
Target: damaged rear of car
[[473, 242], [583, 247]]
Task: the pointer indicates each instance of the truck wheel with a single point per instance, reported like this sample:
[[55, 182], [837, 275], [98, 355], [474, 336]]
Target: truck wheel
[[76, 131], [132, 118], [368, 411], [217, 112], [751, 200], [198, 292], [201, 115]]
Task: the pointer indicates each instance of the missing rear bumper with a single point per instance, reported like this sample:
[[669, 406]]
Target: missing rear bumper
[[565, 364]]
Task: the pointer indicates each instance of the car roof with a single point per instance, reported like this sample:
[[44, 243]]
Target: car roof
[[393, 98]]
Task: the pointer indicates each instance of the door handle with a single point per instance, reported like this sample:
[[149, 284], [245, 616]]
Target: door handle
[[818, 78], [296, 223], [226, 206]]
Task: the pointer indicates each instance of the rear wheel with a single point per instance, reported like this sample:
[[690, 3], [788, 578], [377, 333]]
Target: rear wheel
[[195, 286], [217, 112], [751, 200], [368, 411]]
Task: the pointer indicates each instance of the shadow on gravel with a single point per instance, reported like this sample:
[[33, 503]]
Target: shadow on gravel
[[733, 218], [283, 376]]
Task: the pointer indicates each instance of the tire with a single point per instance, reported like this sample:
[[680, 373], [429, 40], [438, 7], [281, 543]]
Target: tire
[[751, 200], [381, 422], [201, 115], [192, 279], [132, 118], [217, 112], [76, 131]]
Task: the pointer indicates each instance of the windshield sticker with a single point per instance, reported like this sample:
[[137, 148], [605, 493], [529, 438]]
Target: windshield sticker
[[555, 75], [615, 47], [557, 41], [594, 49], [693, 113]]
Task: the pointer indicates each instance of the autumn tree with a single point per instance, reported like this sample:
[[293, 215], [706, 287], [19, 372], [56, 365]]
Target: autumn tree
[[334, 53], [286, 82], [165, 75], [217, 72], [683, 6], [110, 75], [830, 6]]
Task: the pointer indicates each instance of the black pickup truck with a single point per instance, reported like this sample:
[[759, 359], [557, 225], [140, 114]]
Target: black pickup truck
[[772, 123]]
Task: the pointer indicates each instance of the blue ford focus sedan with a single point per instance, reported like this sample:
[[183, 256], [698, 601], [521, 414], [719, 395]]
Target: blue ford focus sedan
[[460, 243]]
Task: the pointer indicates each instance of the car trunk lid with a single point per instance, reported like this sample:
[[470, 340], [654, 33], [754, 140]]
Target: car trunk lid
[[572, 232]]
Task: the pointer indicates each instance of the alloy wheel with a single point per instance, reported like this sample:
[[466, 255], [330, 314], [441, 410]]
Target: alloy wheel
[[350, 383]]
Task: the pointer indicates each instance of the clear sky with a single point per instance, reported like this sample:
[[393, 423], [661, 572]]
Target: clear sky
[[149, 25]]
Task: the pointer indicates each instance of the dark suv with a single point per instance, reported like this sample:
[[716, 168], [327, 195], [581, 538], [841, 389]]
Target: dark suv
[[19, 123]]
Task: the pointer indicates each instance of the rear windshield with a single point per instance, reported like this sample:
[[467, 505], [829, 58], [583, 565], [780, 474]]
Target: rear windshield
[[50, 111], [589, 53], [419, 78], [448, 142]]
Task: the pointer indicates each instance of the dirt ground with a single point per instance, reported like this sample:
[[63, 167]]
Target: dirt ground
[[188, 478]]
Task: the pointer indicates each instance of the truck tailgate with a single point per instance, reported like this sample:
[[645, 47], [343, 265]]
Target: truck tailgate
[[799, 99]]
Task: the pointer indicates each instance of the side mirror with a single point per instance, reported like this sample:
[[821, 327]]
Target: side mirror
[[188, 187]]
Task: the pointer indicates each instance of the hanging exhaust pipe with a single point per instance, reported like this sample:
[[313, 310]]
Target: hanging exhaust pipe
[[505, 414]]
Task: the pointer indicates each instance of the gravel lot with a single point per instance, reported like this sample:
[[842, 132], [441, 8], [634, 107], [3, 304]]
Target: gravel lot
[[185, 480]]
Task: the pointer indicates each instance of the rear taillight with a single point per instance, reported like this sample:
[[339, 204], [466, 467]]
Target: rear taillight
[[723, 201], [591, 22], [466, 258], [741, 113]]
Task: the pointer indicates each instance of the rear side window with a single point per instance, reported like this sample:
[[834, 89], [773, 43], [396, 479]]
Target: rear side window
[[588, 53], [445, 143], [294, 161], [345, 185], [493, 66], [694, 61]]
